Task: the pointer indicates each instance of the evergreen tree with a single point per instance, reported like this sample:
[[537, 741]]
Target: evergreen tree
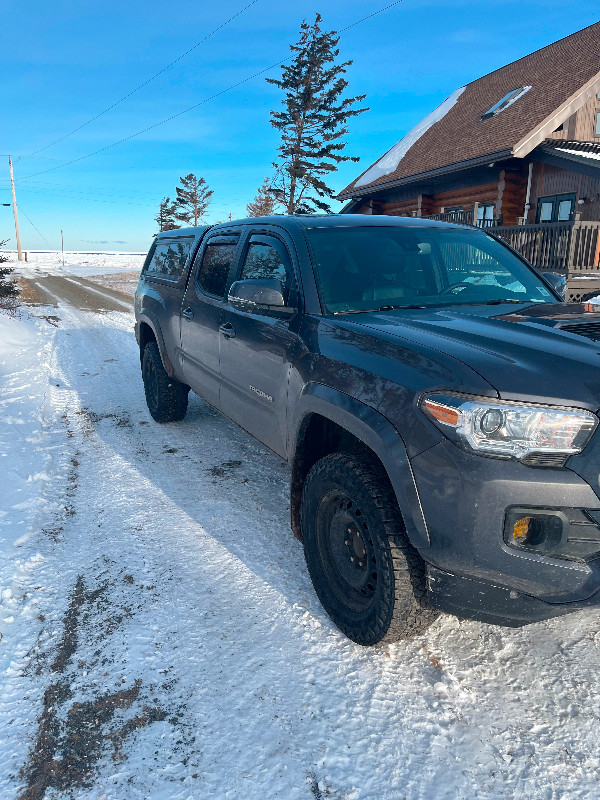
[[8, 287], [165, 219], [193, 198], [264, 203], [313, 121]]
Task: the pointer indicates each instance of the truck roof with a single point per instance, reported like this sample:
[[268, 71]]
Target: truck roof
[[319, 221]]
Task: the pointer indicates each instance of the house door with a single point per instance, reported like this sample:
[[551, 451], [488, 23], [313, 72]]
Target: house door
[[556, 208]]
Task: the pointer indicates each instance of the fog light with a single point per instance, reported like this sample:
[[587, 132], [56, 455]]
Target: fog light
[[521, 529], [539, 530], [565, 533]]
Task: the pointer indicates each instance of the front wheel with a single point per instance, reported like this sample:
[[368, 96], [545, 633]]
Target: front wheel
[[369, 578], [167, 398]]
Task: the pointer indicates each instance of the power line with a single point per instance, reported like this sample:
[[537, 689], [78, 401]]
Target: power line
[[92, 196], [88, 197], [92, 191], [145, 83], [374, 14], [201, 103], [33, 226]]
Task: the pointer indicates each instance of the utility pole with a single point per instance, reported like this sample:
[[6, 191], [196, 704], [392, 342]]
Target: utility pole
[[62, 246], [12, 186]]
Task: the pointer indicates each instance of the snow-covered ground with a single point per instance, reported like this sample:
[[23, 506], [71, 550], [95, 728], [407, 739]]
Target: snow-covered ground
[[161, 638], [82, 264]]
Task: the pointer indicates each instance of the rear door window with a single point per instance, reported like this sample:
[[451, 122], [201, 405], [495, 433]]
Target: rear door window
[[169, 259], [213, 265]]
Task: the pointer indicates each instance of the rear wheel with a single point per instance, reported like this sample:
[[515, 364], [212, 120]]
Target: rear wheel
[[167, 398], [369, 578]]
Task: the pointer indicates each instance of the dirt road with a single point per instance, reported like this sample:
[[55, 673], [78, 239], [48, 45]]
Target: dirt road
[[77, 292]]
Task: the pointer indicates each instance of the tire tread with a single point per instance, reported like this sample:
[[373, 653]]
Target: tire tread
[[404, 611]]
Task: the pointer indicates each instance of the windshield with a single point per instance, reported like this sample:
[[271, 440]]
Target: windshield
[[363, 269]]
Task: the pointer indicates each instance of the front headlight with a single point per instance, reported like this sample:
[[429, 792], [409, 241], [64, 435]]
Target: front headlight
[[543, 435]]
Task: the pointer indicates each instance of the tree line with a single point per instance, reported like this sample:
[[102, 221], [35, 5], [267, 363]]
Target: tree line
[[313, 123]]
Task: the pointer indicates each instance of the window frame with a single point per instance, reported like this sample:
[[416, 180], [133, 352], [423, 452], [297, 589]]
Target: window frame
[[597, 126]]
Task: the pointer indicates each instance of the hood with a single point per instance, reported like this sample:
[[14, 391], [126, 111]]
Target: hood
[[540, 353]]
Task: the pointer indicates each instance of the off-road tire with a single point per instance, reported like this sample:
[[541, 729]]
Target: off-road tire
[[167, 398], [378, 595]]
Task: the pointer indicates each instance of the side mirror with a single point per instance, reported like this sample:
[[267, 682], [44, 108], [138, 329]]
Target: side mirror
[[260, 296], [558, 282]]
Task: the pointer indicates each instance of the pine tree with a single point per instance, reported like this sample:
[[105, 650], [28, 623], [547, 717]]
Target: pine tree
[[313, 121], [193, 198], [264, 203], [8, 287], [165, 218]]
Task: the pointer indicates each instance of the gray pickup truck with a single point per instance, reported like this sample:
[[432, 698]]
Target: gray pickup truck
[[436, 400]]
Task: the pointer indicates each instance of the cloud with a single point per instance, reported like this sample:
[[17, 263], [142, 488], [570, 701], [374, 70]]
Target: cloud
[[103, 241]]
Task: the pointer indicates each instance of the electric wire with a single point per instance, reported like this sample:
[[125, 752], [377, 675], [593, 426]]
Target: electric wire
[[201, 103], [141, 86], [88, 198], [33, 226]]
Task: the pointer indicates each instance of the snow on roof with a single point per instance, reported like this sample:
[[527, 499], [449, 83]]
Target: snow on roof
[[581, 153], [393, 157]]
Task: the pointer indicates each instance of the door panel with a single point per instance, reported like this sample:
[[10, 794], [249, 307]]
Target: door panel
[[201, 315], [254, 374], [256, 352]]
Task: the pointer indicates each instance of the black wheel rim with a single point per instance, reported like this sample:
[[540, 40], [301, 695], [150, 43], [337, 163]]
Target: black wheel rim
[[347, 553], [151, 383]]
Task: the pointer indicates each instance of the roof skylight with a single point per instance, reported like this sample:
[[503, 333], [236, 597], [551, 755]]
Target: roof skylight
[[506, 101]]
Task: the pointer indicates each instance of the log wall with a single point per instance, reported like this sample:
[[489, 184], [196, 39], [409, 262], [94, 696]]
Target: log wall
[[549, 180]]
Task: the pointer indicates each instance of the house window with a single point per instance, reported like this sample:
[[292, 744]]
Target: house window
[[597, 123], [485, 215], [506, 101], [556, 208]]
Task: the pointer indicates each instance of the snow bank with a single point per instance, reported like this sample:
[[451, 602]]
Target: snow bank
[[393, 157], [76, 263]]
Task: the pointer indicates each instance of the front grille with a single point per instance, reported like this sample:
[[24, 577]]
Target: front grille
[[591, 330]]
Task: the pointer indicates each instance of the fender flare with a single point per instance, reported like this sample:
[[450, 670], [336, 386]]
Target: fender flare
[[148, 318], [379, 435]]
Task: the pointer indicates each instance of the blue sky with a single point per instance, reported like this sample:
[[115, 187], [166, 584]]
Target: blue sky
[[65, 62]]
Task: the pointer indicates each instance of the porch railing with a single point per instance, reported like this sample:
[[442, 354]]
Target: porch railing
[[462, 217], [569, 248]]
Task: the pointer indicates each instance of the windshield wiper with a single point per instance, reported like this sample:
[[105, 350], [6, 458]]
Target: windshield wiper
[[374, 310], [505, 300]]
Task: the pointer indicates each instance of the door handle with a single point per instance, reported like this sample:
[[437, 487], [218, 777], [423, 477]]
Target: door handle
[[187, 313], [227, 330]]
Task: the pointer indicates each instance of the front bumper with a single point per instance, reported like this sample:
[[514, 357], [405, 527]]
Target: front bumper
[[486, 602], [464, 499]]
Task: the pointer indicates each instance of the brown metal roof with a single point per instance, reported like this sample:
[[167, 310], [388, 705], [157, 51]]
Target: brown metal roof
[[562, 77]]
